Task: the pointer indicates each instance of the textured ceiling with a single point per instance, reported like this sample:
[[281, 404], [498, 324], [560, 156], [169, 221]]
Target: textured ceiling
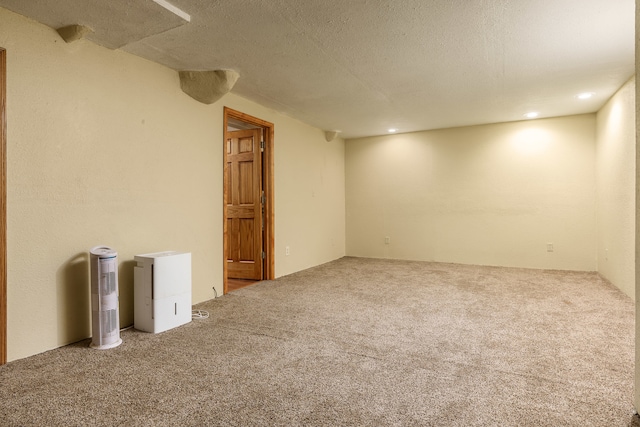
[[364, 66]]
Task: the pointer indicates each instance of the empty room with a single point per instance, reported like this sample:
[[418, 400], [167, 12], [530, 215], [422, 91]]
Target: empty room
[[373, 213]]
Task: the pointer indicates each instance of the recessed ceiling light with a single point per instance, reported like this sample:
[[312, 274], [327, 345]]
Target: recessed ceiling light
[[393, 130], [532, 115], [585, 95]]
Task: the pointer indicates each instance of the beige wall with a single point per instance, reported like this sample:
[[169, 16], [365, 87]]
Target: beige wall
[[491, 195], [104, 148], [636, 399], [309, 191], [615, 176]]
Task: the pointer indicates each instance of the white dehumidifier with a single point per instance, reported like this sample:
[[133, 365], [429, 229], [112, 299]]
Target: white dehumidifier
[[162, 291], [105, 321]]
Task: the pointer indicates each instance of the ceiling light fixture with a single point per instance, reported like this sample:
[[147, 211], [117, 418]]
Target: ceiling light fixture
[[585, 95], [171, 8], [532, 115], [393, 130]]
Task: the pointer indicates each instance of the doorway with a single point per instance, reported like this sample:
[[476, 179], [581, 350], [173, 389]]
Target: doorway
[[3, 206], [247, 199]]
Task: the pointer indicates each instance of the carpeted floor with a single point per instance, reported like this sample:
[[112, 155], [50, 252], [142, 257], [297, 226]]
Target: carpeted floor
[[357, 342]]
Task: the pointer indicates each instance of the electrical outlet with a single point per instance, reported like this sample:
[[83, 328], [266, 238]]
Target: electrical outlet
[[387, 240], [549, 247], [287, 251]]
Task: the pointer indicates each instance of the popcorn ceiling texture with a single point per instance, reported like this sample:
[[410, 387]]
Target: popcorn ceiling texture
[[112, 25], [357, 342], [365, 66]]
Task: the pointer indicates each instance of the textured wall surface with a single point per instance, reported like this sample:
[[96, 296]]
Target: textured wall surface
[[490, 195], [105, 148], [615, 175], [309, 191], [637, 215]]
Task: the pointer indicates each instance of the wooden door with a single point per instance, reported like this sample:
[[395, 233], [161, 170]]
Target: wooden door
[[3, 206], [243, 202]]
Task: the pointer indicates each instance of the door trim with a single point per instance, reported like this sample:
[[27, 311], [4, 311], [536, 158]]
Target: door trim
[[3, 206], [267, 174]]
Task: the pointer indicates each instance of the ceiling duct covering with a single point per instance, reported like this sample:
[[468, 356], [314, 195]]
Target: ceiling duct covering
[[114, 23], [330, 135], [207, 86], [71, 33]]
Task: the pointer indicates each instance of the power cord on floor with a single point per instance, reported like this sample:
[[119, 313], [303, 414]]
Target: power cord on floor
[[199, 314], [203, 314]]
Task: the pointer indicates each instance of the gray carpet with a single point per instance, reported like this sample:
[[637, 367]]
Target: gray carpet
[[357, 342]]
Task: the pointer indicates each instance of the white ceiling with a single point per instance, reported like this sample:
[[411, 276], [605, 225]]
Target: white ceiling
[[363, 66]]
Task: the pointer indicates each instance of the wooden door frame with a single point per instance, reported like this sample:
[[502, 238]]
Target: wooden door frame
[[267, 174], [3, 206]]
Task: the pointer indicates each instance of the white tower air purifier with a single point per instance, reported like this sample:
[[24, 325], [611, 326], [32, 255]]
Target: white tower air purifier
[[105, 322]]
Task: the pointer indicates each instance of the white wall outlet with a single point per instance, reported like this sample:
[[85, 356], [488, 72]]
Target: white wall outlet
[[549, 247], [287, 251], [387, 240]]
